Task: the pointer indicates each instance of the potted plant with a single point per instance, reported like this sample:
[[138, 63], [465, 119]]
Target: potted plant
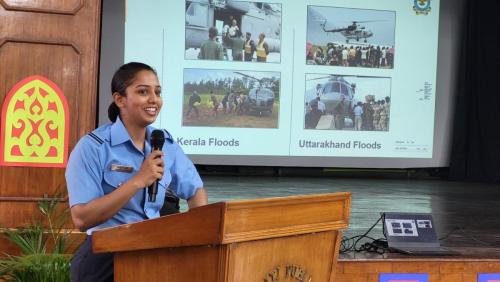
[[44, 247]]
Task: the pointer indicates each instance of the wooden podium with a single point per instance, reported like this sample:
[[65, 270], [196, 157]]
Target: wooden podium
[[277, 239]]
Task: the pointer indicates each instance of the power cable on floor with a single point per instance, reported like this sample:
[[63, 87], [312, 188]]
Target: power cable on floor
[[350, 244]]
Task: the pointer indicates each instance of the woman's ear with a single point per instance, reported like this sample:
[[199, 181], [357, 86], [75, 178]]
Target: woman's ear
[[118, 99]]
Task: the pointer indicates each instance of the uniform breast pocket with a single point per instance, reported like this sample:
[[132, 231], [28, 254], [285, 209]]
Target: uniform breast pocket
[[114, 179]]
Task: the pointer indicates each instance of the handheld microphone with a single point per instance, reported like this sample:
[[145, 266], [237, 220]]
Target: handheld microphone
[[157, 140]]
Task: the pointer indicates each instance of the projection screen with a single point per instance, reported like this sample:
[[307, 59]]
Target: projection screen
[[293, 83]]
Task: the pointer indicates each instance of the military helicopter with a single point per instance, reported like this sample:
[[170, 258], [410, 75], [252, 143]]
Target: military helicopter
[[253, 17], [352, 31], [331, 93], [261, 98]]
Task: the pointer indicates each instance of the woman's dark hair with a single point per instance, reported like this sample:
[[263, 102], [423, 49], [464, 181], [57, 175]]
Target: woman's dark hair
[[122, 79]]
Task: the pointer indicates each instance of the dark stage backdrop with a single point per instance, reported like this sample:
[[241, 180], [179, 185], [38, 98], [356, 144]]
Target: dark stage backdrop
[[476, 141]]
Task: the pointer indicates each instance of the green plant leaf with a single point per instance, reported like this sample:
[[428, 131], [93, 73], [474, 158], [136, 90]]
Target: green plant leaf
[[36, 267], [37, 263], [31, 239]]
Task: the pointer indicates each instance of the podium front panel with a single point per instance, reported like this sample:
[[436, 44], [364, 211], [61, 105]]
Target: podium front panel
[[170, 264], [307, 257]]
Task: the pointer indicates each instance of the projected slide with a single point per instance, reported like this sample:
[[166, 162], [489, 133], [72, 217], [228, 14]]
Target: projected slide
[[305, 78]]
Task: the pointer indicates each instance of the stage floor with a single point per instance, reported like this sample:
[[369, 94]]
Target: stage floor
[[465, 214]]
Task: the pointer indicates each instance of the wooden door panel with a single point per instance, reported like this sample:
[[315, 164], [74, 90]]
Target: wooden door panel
[[45, 59], [44, 6], [58, 39]]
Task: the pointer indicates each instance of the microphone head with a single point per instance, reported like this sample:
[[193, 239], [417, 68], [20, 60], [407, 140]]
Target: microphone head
[[157, 139]]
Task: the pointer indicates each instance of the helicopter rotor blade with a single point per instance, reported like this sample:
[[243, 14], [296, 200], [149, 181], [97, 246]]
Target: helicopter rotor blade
[[369, 21], [332, 76], [249, 76], [318, 78], [260, 81]]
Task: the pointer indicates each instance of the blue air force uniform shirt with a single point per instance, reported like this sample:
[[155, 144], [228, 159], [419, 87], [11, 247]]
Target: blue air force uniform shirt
[[106, 158]]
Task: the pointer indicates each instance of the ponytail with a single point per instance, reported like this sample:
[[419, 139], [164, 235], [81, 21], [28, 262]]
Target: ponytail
[[113, 112]]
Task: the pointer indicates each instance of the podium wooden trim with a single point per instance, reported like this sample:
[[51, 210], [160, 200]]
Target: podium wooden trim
[[246, 240]]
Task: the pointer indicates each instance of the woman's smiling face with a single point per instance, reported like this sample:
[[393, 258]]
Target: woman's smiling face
[[142, 102]]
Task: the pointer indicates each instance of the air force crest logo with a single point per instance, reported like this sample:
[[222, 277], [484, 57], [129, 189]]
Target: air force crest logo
[[422, 7]]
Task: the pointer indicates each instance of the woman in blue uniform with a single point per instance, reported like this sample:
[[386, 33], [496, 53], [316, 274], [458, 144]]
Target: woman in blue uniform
[[109, 169]]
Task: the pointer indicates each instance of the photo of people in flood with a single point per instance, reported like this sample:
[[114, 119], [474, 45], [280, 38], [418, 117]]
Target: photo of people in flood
[[225, 98]]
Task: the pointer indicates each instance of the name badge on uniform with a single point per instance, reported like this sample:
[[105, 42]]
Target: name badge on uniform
[[122, 168]]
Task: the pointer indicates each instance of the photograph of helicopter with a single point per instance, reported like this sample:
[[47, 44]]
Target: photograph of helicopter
[[225, 98], [341, 102], [233, 31], [350, 37], [352, 31]]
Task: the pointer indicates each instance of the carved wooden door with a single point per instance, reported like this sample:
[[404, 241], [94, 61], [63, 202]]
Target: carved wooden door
[[57, 40]]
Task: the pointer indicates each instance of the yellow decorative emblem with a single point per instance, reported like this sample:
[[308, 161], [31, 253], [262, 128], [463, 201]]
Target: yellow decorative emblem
[[35, 125]]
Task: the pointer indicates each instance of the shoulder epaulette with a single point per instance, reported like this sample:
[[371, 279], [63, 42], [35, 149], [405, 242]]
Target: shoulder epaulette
[[168, 136], [96, 138]]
